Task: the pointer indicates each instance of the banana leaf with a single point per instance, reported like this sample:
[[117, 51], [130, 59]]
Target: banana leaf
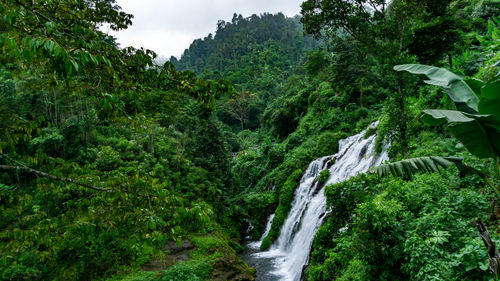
[[463, 94], [490, 100], [478, 133], [408, 167]]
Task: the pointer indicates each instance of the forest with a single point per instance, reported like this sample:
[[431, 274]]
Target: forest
[[116, 167]]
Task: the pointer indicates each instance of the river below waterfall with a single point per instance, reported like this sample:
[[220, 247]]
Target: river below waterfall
[[287, 256]]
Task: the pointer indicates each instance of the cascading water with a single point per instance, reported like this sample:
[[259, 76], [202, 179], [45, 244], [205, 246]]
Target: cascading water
[[290, 252], [256, 244]]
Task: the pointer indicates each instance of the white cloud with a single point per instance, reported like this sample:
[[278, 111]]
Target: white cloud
[[169, 26]]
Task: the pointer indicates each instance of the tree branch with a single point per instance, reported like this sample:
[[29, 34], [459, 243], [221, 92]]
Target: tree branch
[[45, 175], [374, 5], [36, 13]]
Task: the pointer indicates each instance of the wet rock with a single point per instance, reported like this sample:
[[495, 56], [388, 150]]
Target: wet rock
[[330, 163], [173, 254], [317, 186], [173, 248], [303, 276]]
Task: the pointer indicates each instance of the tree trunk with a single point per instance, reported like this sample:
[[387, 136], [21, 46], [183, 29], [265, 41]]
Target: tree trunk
[[361, 92], [242, 137], [45, 175], [450, 60], [493, 254], [403, 126], [402, 102]]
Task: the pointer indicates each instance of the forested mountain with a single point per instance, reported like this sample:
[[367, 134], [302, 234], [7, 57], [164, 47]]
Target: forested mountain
[[256, 54], [115, 168], [244, 46]]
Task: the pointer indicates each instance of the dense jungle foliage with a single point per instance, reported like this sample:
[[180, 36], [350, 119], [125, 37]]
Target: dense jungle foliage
[[113, 167]]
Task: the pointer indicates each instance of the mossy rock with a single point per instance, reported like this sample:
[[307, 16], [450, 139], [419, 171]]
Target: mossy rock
[[230, 268], [173, 253]]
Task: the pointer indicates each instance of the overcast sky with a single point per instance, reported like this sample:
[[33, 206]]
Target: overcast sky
[[169, 26]]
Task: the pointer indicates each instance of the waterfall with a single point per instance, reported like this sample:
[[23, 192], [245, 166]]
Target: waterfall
[[256, 244], [290, 252]]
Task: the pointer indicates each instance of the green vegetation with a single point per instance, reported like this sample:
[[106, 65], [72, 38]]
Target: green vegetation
[[324, 176], [256, 54], [390, 229], [115, 168], [104, 155]]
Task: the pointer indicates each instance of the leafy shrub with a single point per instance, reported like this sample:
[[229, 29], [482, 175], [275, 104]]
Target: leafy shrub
[[255, 203], [107, 159], [282, 116], [50, 142]]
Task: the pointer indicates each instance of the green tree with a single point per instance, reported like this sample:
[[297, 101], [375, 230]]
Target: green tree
[[239, 107], [94, 174], [438, 32]]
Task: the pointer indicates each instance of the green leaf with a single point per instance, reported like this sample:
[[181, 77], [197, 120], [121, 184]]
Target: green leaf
[[106, 61], [458, 90], [475, 132], [439, 117], [50, 46], [475, 85], [93, 59], [37, 43], [67, 67], [75, 65], [4, 189], [490, 100], [484, 266]]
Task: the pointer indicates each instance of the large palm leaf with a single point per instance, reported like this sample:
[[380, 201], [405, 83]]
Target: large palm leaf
[[476, 132], [476, 125], [430, 164], [490, 99]]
